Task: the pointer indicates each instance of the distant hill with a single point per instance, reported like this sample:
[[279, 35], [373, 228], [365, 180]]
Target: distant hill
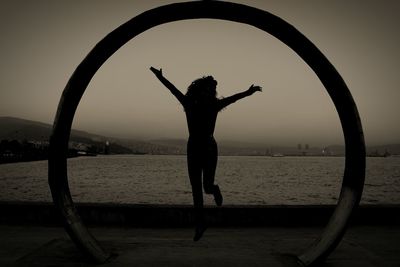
[[12, 128], [27, 130], [20, 129]]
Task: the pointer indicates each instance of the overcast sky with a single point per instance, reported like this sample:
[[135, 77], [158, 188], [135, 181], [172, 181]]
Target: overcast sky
[[42, 42]]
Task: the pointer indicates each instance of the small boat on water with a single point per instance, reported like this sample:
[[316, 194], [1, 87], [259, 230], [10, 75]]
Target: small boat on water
[[86, 154], [277, 155]]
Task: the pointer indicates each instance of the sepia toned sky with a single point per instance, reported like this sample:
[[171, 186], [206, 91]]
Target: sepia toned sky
[[42, 42]]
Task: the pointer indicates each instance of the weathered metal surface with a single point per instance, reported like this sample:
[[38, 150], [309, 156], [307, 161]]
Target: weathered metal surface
[[354, 173]]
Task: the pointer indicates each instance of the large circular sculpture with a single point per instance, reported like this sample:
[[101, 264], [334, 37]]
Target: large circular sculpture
[[354, 172]]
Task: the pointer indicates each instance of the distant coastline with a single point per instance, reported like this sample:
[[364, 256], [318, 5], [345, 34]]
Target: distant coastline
[[26, 140], [17, 158]]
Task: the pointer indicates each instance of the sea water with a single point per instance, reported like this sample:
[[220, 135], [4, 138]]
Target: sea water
[[244, 180]]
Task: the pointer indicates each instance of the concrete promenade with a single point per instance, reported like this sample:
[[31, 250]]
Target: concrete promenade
[[162, 236], [50, 246]]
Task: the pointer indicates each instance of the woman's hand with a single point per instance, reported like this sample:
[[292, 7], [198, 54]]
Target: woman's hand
[[156, 72], [255, 88]]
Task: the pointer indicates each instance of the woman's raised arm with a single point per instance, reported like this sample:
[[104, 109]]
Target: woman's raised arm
[[178, 94], [231, 99]]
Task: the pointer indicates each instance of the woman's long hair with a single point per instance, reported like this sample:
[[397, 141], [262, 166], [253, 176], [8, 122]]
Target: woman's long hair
[[203, 89]]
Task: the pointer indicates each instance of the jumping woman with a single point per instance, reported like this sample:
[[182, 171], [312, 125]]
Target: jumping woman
[[201, 106]]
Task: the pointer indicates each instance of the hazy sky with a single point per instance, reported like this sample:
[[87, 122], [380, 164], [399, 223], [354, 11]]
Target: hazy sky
[[42, 42]]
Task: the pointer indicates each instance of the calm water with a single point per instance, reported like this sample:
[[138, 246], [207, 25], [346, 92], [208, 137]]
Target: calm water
[[163, 180]]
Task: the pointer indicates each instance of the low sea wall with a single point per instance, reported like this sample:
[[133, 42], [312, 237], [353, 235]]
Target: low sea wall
[[45, 214]]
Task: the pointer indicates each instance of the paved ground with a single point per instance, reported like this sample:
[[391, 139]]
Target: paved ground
[[48, 246]]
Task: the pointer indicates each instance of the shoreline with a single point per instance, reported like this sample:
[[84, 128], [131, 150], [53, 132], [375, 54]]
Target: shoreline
[[184, 155]]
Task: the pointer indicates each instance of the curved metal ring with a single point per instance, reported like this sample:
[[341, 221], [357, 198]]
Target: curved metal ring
[[354, 173]]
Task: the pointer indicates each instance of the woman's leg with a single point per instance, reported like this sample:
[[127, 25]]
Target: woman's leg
[[210, 164], [194, 169], [195, 172]]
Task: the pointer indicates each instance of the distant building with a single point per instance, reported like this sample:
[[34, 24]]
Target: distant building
[[107, 148], [299, 147]]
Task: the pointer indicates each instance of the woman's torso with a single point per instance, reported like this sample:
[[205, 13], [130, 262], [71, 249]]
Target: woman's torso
[[201, 118]]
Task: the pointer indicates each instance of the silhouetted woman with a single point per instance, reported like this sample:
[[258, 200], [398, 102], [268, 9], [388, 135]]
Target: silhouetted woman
[[201, 107]]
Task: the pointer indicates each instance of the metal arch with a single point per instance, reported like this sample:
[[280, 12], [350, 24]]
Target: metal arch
[[354, 173]]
